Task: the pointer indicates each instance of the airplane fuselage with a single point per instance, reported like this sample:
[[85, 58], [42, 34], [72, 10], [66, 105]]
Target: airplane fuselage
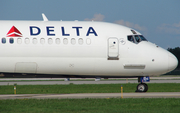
[[75, 48]]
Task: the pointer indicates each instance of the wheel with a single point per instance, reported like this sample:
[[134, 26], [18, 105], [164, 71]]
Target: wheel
[[142, 87]]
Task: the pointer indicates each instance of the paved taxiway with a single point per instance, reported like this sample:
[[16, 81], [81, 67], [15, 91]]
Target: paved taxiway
[[93, 95]]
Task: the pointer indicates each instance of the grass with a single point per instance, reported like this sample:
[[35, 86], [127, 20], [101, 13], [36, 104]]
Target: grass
[[112, 105], [109, 105], [87, 88]]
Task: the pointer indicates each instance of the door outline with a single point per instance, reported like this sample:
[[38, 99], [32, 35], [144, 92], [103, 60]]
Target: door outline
[[113, 48]]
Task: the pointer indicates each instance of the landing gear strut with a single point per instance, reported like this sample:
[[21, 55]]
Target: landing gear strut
[[142, 87]]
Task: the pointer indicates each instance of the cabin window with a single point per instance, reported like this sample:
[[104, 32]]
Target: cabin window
[[88, 41], [57, 41], [27, 41], [11, 40], [19, 40], [3, 40], [50, 41], [65, 41], [42, 40], [80, 41], [73, 41], [34, 40]]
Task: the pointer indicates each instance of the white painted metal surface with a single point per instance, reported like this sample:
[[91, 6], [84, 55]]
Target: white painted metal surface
[[79, 48]]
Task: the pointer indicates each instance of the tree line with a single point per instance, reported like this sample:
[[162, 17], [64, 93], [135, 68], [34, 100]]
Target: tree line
[[176, 52]]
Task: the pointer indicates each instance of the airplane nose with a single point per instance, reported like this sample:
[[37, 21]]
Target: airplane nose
[[173, 62]]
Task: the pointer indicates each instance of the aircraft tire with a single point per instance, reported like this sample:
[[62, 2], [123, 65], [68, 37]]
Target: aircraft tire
[[142, 87]]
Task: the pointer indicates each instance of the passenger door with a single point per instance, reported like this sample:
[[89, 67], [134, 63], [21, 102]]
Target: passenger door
[[113, 49]]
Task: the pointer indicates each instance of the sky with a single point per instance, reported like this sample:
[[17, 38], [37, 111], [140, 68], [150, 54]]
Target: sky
[[157, 20]]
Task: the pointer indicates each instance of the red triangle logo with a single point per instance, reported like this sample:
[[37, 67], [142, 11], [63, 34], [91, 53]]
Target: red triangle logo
[[14, 32]]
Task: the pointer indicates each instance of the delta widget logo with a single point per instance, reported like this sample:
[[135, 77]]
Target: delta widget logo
[[14, 32]]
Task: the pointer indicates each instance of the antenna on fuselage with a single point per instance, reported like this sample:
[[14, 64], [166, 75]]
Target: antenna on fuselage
[[44, 17]]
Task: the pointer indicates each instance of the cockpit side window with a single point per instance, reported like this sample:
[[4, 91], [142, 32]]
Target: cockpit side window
[[136, 38], [131, 39]]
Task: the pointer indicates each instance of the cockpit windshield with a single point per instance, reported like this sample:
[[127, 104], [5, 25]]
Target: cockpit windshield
[[142, 38], [136, 38]]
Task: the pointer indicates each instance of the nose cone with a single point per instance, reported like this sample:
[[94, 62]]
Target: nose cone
[[173, 62]]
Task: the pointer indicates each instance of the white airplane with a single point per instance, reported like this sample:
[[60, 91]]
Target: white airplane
[[79, 49]]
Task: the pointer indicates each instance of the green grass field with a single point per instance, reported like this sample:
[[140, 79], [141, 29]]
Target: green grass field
[[112, 105], [109, 105], [86, 88]]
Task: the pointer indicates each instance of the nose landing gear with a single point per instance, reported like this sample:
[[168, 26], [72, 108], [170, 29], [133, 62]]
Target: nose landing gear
[[142, 87]]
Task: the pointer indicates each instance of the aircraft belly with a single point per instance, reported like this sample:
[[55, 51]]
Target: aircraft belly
[[66, 66]]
